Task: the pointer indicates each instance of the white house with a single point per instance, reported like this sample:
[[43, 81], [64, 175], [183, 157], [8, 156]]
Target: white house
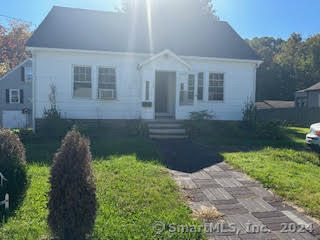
[[107, 66]]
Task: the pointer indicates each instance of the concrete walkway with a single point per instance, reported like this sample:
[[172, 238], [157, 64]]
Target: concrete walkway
[[250, 211]]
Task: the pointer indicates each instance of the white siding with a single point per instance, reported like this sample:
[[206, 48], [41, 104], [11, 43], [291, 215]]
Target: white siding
[[239, 87], [56, 67]]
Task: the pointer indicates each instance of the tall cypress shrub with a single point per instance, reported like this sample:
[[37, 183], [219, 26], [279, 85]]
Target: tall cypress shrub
[[72, 197], [13, 168]]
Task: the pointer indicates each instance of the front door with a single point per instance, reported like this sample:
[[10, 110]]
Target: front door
[[165, 94]]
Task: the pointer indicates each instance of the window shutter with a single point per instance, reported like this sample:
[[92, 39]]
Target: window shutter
[[22, 74], [21, 95], [7, 95]]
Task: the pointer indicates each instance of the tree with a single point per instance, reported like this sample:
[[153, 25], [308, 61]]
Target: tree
[[13, 168], [269, 73], [288, 65], [12, 45], [289, 59], [72, 197]]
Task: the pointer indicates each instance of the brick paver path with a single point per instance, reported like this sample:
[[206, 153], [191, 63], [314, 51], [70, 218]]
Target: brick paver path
[[244, 203]]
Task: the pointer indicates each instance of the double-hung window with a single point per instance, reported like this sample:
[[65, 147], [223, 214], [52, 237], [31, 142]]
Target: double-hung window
[[82, 82], [216, 87], [147, 90], [28, 74], [200, 86], [14, 96], [191, 80], [107, 83]]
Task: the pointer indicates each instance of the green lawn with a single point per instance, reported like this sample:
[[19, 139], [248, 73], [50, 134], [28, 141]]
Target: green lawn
[[228, 133], [283, 165], [133, 191], [291, 174]]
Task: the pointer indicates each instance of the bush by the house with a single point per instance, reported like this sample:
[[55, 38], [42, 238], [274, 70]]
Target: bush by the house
[[137, 128], [261, 129], [72, 197], [12, 167], [269, 130], [52, 123], [25, 134], [249, 113], [199, 123]]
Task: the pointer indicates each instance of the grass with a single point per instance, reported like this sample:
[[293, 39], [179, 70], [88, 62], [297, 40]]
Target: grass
[[133, 191], [232, 134], [283, 165], [291, 174]]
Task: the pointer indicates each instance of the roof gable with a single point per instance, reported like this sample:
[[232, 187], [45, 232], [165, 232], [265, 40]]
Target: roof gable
[[69, 28], [166, 53], [28, 62]]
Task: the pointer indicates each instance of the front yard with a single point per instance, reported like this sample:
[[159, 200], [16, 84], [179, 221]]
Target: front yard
[[133, 191], [282, 165]]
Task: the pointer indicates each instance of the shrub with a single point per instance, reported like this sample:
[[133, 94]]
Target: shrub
[[137, 128], [269, 130], [25, 134], [201, 115], [249, 113], [53, 124], [13, 167], [198, 123], [72, 197]]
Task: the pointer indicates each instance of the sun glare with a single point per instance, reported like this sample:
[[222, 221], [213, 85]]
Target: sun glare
[[148, 4]]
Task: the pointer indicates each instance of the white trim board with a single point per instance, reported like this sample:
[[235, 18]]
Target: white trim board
[[132, 54]]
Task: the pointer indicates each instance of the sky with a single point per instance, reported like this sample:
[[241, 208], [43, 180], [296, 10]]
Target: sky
[[250, 18]]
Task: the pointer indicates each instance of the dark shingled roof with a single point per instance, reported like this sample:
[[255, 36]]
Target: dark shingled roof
[[70, 28], [315, 87]]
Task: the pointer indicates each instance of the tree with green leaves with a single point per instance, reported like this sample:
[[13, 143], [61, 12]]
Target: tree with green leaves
[[268, 74], [288, 65]]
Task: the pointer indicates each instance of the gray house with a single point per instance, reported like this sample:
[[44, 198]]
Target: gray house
[[309, 97], [16, 97]]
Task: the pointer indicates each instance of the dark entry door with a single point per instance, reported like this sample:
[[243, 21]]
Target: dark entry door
[[161, 93]]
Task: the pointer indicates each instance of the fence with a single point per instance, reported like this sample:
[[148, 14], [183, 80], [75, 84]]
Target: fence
[[298, 116]]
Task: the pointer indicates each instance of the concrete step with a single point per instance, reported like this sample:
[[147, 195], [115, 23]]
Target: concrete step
[[156, 121], [167, 131], [164, 125], [154, 136]]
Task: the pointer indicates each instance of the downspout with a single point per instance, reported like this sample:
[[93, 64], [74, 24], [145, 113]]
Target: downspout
[[141, 89], [34, 73]]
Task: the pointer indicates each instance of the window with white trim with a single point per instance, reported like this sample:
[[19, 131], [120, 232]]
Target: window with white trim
[[191, 80], [200, 86], [14, 96], [216, 87], [28, 74], [82, 82], [147, 90], [107, 83]]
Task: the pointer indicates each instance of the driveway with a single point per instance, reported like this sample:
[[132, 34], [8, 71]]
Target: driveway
[[250, 211]]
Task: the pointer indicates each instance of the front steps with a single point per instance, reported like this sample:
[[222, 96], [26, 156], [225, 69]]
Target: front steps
[[166, 129]]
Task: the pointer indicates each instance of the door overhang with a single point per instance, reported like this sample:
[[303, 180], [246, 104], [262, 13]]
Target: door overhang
[[165, 55]]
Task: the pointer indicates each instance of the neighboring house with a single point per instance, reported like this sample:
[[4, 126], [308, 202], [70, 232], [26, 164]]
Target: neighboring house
[[274, 104], [107, 66], [16, 97], [309, 97]]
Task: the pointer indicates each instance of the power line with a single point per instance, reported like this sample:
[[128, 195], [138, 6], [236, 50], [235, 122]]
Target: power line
[[18, 19]]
